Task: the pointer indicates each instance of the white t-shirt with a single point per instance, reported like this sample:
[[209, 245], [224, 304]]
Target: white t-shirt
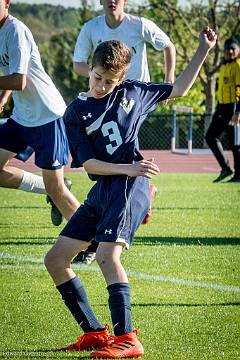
[[134, 31], [40, 102]]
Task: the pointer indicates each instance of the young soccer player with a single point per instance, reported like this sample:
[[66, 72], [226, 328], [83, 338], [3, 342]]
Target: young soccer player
[[136, 32], [36, 121], [102, 127]]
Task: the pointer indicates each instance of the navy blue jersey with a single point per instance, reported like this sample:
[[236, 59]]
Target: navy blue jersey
[[107, 129]]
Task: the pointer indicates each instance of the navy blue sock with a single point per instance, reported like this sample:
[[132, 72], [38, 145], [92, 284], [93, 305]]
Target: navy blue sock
[[75, 298], [120, 307]]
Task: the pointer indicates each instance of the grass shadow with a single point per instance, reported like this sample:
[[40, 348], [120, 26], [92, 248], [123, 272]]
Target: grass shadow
[[187, 305], [23, 207], [168, 240], [26, 240], [187, 208]]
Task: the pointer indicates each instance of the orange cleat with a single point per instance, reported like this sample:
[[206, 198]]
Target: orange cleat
[[153, 192], [91, 340], [124, 346]]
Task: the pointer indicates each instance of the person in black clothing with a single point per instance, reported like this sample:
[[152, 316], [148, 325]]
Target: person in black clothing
[[227, 112]]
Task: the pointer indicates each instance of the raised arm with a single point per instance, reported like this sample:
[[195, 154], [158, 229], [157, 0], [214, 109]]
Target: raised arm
[[81, 68], [170, 62], [185, 80], [83, 50]]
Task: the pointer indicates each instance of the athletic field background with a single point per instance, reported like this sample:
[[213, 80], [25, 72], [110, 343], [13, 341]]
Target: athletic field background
[[183, 268]]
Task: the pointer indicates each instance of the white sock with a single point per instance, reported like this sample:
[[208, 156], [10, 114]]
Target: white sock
[[32, 183]]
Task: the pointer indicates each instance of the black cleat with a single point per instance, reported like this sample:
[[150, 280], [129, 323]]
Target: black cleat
[[223, 174], [84, 257], [234, 179], [56, 215]]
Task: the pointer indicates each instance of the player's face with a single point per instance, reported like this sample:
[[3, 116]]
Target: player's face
[[231, 53], [102, 82], [113, 6], [4, 5]]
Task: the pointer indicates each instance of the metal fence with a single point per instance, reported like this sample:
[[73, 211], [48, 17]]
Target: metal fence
[[158, 130]]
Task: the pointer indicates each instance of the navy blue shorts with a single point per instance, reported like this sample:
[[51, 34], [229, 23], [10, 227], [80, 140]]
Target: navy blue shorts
[[49, 142], [112, 212], [25, 154]]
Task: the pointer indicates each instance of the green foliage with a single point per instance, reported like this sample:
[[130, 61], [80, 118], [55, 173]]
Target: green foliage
[[58, 63], [175, 266], [52, 18], [56, 28], [184, 24]]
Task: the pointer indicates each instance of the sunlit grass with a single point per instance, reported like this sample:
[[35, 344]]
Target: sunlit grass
[[174, 265]]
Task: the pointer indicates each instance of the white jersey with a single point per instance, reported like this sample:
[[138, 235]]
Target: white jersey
[[134, 31], [40, 102]]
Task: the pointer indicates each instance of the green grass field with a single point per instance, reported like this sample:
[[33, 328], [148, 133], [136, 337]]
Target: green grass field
[[183, 267]]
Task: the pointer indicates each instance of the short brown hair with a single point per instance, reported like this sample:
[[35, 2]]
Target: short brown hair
[[112, 55]]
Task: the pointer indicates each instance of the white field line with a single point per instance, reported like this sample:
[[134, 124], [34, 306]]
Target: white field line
[[136, 275]]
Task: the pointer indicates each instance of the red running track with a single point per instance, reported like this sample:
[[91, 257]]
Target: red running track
[[200, 161]]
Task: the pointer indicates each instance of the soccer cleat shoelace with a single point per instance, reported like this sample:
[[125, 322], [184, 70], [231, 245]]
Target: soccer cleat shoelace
[[91, 340], [124, 346]]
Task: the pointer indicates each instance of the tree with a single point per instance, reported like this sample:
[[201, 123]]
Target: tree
[[55, 30], [184, 25], [57, 60]]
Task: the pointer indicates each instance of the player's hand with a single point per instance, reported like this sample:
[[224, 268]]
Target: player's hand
[[146, 168], [4, 96], [208, 37], [1, 106], [235, 119]]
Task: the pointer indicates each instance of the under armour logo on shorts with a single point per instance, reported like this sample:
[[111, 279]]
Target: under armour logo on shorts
[[108, 231]]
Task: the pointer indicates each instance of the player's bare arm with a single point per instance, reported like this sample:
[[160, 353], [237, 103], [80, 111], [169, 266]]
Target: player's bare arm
[[170, 62], [184, 82], [13, 82], [81, 68], [146, 168]]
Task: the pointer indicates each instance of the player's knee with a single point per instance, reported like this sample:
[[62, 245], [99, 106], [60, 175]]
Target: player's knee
[[103, 258], [52, 262], [48, 261], [2, 168], [106, 262], [99, 257]]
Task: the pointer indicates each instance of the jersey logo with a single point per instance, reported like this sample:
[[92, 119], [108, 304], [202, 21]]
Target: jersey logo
[[56, 163], [85, 117], [108, 231], [127, 105]]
